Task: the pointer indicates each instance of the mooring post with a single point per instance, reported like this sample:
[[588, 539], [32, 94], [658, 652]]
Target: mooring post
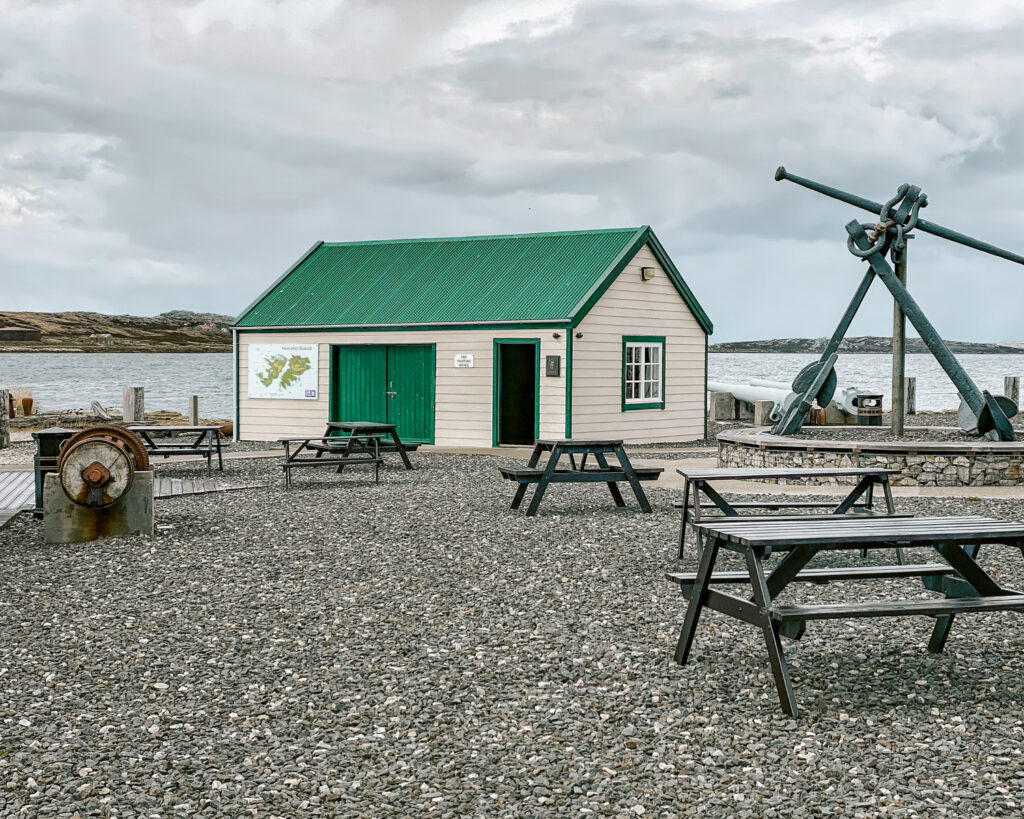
[[134, 405], [193, 410], [899, 345], [1011, 388], [5, 421], [910, 395]]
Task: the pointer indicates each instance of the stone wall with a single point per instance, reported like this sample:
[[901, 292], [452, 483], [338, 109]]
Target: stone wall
[[970, 467]]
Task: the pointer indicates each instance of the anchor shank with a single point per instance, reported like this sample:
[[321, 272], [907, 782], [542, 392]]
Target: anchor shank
[[876, 207], [848, 316], [965, 386]]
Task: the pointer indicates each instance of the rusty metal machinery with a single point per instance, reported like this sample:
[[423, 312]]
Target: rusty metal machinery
[[97, 465]]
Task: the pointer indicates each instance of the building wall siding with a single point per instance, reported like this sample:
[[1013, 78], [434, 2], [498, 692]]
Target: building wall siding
[[463, 397], [632, 307], [463, 404]]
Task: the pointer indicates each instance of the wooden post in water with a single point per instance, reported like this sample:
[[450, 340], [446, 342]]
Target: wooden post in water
[[5, 420], [193, 410], [1011, 388], [910, 395], [134, 405], [899, 345]]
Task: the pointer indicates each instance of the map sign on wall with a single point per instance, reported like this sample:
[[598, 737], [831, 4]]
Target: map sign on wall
[[283, 371]]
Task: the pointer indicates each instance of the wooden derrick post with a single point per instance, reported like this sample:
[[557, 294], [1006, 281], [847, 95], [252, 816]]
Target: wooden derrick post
[[134, 405], [899, 347], [910, 395], [5, 421], [1011, 388]]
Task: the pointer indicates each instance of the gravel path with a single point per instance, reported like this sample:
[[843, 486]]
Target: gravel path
[[413, 647]]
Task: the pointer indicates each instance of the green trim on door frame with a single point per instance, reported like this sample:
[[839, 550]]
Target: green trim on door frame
[[496, 385], [705, 387], [651, 404], [238, 397], [568, 380]]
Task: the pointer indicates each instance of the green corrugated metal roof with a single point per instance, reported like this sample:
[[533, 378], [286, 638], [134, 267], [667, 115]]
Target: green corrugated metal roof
[[465, 280]]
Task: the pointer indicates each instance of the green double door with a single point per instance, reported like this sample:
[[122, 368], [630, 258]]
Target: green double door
[[386, 383]]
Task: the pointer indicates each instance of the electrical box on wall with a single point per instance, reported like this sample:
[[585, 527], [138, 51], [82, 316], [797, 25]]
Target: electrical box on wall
[[553, 365]]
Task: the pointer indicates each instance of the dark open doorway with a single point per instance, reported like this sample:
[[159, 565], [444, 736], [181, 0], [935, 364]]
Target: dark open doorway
[[516, 391]]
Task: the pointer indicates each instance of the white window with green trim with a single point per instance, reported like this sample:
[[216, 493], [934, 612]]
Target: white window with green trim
[[643, 372]]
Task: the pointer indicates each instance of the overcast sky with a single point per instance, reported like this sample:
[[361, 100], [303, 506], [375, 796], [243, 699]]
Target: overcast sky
[[163, 155]]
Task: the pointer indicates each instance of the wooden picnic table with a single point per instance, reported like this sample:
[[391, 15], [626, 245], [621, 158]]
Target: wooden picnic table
[[339, 430], [331, 451], [578, 453], [964, 584], [205, 442], [700, 482]]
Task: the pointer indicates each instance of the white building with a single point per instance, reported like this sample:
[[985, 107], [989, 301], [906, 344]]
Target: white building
[[478, 341]]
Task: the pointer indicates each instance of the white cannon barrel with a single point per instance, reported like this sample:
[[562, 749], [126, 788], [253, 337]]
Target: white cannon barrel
[[751, 393], [779, 385]]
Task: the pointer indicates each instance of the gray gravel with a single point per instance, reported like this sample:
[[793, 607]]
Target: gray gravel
[[413, 647]]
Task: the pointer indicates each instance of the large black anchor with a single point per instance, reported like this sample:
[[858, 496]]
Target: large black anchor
[[980, 411]]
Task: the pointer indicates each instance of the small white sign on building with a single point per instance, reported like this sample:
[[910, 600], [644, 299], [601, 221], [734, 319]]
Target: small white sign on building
[[464, 360], [284, 371]]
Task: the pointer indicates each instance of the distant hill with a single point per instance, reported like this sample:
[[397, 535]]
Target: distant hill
[[176, 331], [858, 344]]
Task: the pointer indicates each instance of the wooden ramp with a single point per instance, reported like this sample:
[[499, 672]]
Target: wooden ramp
[[17, 492], [177, 487]]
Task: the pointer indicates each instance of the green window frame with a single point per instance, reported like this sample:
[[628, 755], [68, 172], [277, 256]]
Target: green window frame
[[643, 372]]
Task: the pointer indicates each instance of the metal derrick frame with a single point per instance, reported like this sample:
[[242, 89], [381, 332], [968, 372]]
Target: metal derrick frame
[[871, 242]]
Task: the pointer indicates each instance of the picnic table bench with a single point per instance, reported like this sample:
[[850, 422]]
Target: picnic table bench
[[965, 585], [354, 450], [578, 453], [165, 441], [698, 486], [334, 437]]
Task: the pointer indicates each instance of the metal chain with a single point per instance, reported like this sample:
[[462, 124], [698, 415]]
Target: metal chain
[[879, 234]]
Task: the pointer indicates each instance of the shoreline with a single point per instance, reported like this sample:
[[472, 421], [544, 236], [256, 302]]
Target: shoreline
[[113, 349]]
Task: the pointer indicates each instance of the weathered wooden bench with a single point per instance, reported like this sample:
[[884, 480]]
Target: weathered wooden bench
[[527, 475], [164, 441], [387, 434], [577, 453], [699, 493], [357, 450], [964, 585]]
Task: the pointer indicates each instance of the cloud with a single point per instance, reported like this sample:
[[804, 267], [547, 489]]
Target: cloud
[[183, 154]]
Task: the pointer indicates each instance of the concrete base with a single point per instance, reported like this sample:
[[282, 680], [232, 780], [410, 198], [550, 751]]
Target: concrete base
[[64, 521], [723, 406], [763, 413]]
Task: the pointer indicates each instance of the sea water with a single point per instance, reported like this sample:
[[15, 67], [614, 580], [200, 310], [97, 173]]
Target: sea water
[[872, 372], [75, 380]]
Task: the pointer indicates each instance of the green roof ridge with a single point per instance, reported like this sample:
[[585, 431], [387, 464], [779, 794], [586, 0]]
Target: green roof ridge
[[523, 277], [481, 237]]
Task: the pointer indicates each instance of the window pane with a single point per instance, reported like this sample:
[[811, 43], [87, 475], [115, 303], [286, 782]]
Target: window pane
[[642, 371]]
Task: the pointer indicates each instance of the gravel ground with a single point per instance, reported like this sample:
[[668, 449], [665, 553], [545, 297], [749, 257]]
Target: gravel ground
[[413, 647]]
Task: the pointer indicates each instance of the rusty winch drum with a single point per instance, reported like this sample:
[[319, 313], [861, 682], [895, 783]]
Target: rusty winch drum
[[97, 465]]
